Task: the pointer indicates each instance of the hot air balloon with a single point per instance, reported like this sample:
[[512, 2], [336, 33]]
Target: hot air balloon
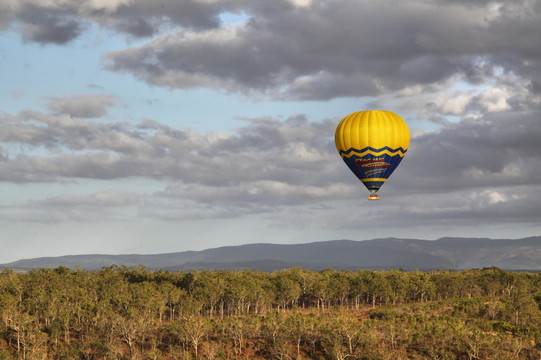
[[372, 143]]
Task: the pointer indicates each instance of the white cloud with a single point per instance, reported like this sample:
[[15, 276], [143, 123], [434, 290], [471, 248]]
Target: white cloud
[[456, 105], [494, 100], [83, 105], [109, 5]]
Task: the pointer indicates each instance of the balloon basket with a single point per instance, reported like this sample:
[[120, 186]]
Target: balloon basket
[[373, 197]]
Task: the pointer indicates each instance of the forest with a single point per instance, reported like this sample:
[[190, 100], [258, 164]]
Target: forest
[[136, 313]]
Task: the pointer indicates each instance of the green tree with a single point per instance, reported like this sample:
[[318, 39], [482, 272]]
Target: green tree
[[297, 326], [399, 282], [192, 329], [307, 281], [209, 289], [322, 289], [420, 287], [340, 285], [377, 287], [287, 290]]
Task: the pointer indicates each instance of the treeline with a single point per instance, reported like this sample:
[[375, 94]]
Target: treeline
[[135, 313]]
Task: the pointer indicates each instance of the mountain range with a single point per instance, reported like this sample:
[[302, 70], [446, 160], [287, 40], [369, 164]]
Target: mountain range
[[387, 253]]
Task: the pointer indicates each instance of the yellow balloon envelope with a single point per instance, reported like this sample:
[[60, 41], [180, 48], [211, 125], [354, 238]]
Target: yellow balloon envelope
[[372, 143]]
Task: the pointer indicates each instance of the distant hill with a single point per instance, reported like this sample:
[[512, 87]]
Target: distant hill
[[408, 254]]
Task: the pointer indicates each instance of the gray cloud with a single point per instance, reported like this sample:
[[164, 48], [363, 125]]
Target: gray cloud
[[102, 206], [143, 18], [43, 24], [498, 149], [317, 51], [84, 105], [266, 149], [59, 22], [377, 47], [482, 167], [471, 68], [110, 198], [439, 213]]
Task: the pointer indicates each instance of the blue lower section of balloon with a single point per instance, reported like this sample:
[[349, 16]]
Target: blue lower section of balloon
[[373, 166], [373, 185]]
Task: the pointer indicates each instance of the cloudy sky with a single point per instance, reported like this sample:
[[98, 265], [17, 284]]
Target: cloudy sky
[[135, 126]]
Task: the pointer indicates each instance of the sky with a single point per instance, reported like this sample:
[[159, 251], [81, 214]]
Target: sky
[[143, 127]]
